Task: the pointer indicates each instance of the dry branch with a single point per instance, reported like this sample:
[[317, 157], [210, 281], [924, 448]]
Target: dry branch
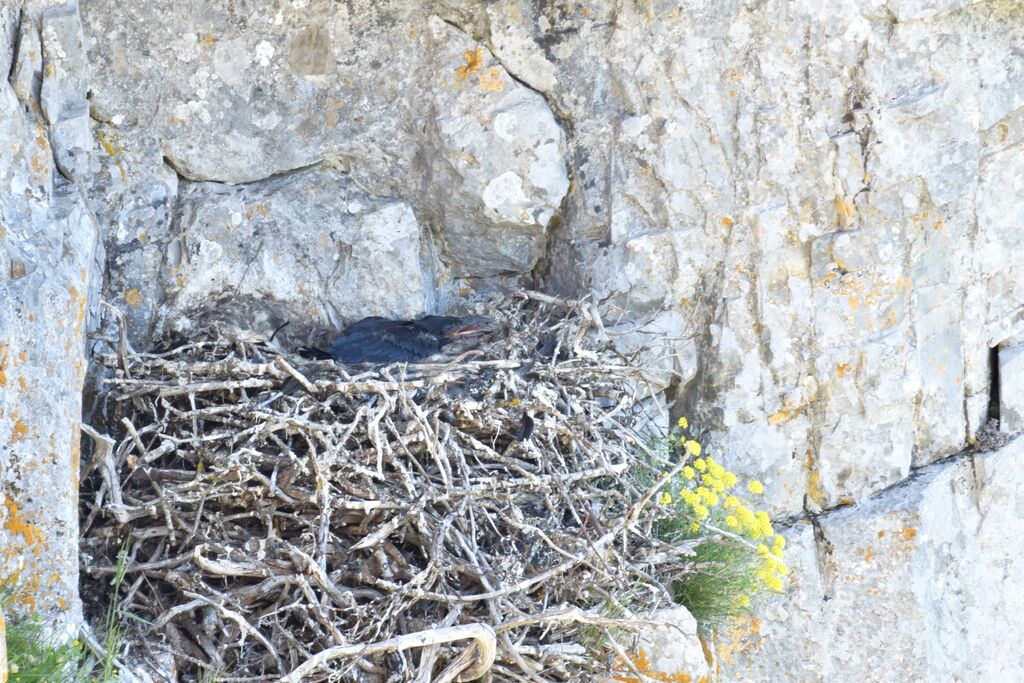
[[360, 529]]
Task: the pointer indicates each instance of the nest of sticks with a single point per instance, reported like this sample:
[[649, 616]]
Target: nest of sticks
[[490, 518]]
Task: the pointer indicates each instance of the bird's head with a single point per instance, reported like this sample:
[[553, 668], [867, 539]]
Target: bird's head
[[469, 327]]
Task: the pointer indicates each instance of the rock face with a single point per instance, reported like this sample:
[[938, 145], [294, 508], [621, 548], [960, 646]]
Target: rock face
[[909, 585], [813, 206], [48, 274]]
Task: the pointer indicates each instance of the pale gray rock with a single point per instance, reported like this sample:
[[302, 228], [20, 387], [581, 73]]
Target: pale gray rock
[[65, 84], [313, 246], [500, 169], [876, 593], [134, 195], [27, 73], [671, 649], [47, 244]]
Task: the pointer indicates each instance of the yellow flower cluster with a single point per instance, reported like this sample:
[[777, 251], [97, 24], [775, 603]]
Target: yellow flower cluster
[[772, 567], [707, 495]]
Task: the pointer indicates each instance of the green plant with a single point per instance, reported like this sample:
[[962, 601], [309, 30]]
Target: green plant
[[737, 556], [35, 656], [32, 653]]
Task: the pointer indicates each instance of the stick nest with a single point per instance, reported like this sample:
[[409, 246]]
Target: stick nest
[[490, 518]]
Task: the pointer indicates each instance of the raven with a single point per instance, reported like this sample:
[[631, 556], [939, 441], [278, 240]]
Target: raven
[[381, 340]]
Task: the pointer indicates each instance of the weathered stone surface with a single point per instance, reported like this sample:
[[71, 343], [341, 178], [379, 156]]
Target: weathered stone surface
[[235, 95], [908, 585], [670, 651], [312, 246], [134, 195], [499, 160], [47, 241], [790, 180], [65, 83], [27, 73]]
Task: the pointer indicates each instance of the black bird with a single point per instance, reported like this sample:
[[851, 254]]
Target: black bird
[[380, 340]]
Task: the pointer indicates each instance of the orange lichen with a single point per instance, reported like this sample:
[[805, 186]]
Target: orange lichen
[[842, 369], [474, 62], [491, 80], [744, 635], [15, 525], [869, 554], [19, 431], [726, 221], [908, 533], [814, 490], [642, 663]]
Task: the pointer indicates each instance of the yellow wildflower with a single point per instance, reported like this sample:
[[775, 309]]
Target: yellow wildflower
[[665, 498], [694, 449], [762, 550], [690, 498], [732, 501], [774, 582], [700, 464], [730, 480], [779, 542], [743, 600], [745, 515], [701, 511], [732, 522], [683, 423], [707, 496], [717, 485], [756, 487], [688, 472], [694, 527]]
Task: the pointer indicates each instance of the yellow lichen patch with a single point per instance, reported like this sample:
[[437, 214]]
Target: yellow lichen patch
[[743, 635], [110, 148], [844, 211], [208, 39], [19, 431], [783, 416], [77, 301], [133, 297], [15, 525], [39, 163], [474, 62], [814, 490], [491, 80], [464, 156], [50, 70]]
